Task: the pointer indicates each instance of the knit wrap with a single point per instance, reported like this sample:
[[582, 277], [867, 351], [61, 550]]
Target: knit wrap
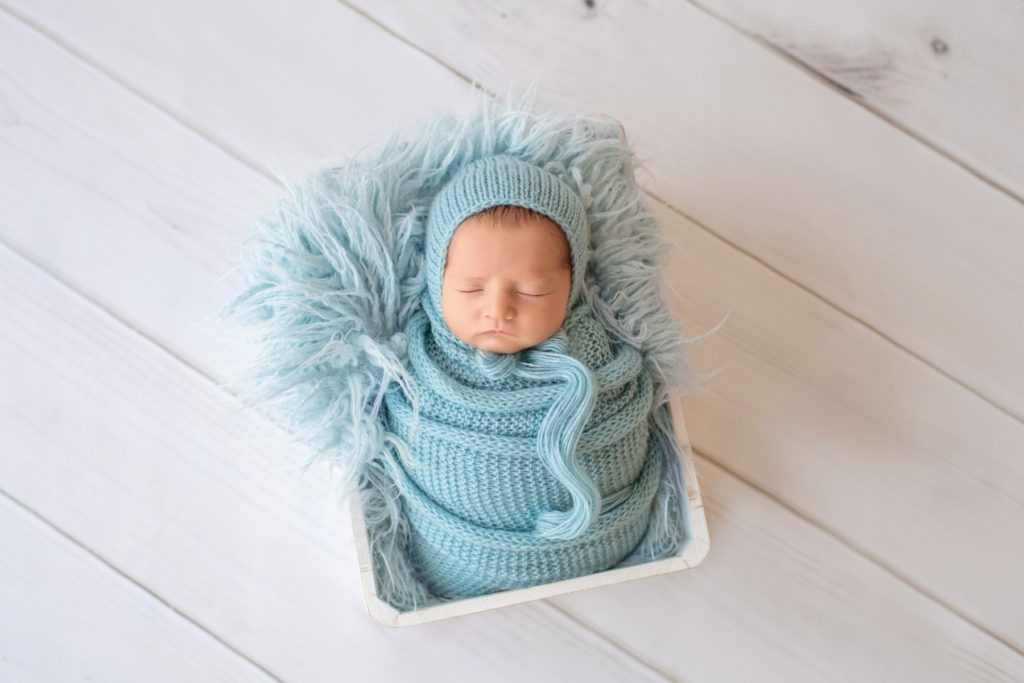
[[476, 491]]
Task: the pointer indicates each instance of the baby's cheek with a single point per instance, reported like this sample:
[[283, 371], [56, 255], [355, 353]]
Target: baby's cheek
[[455, 316]]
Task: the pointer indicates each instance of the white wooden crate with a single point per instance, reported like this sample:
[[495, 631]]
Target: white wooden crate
[[693, 552]]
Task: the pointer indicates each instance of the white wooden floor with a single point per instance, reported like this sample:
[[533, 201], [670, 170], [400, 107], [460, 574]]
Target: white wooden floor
[[844, 178]]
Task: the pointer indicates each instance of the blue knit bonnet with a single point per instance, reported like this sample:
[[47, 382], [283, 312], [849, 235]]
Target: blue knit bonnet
[[498, 180]]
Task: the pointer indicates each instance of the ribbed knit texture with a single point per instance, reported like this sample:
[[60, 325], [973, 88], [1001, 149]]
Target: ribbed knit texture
[[475, 472], [487, 511]]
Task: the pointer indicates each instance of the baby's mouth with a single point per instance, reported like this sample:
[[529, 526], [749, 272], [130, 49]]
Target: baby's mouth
[[501, 332]]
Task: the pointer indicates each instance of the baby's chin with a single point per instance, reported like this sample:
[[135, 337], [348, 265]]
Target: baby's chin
[[498, 343]]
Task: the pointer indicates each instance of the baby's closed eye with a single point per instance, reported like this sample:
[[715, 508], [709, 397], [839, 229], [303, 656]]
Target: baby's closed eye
[[521, 292]]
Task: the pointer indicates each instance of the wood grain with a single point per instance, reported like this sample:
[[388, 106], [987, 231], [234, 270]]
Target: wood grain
[[296, 68], [808, 417], [134, 200], [947, 72], [163, 475], [67, 616], [890, 455], [197, 501], [771, 159], [779, 600]]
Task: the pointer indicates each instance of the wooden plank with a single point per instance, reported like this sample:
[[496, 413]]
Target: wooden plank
[[67, 616], [947, 71], [916, 434], [779, 600], [317, 66], [160, 473], [893, 457], [774, 161], [171, 207]]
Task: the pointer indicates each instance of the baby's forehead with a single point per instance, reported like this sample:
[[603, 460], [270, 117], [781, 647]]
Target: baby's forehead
[[480, 239]]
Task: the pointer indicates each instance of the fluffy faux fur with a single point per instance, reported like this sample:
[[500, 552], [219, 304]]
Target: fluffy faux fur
[[334, 273]]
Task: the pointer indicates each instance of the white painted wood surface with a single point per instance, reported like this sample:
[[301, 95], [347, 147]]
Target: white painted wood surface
[[949, 76], [66, 615], [859, 453]]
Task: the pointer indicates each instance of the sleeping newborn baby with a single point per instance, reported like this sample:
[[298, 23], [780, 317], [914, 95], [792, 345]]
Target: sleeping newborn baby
[[507, 279], [528, 456]]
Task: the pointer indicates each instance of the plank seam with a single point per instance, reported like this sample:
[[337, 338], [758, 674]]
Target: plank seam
[[868, 326], [571, 616], [850, 545], [116, 320], [448, 67], [907, 350], [226, 147], [257, 168], [859, 100], [99, 558]]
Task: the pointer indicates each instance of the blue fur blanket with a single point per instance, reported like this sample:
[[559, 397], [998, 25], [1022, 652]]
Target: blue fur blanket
[[344, 348]]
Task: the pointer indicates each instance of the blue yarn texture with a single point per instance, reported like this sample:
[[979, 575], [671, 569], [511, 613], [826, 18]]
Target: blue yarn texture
[[476, 472]]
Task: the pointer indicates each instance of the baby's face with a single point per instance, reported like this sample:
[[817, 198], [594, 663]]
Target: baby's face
[[506, 286]]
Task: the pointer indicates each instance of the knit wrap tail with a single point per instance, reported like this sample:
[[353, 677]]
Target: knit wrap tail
[[559, 434]]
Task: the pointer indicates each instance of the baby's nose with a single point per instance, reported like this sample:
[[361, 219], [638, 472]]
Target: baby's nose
[[500, 307]]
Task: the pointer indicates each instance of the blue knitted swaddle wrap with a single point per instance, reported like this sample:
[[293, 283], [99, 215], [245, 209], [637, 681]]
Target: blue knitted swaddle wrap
[[522, 468], [474, 487], [476, 471]]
